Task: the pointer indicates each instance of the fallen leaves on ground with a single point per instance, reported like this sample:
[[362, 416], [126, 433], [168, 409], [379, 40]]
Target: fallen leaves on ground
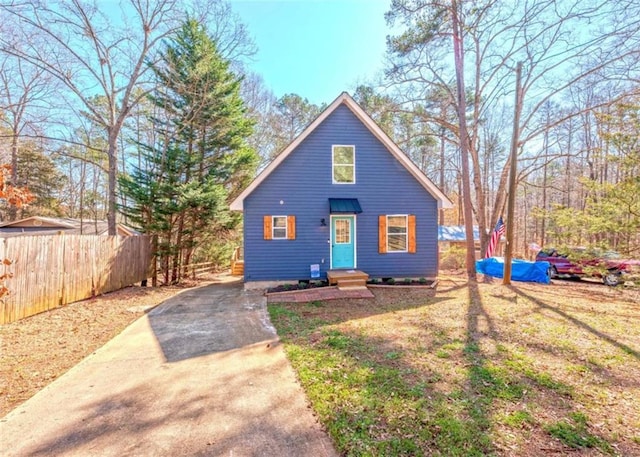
[[36, 350]]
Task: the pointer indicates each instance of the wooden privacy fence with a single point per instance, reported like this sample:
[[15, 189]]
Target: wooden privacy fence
[[51, 271]]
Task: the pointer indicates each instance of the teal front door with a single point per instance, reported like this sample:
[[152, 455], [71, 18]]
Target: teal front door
[[343, 242]]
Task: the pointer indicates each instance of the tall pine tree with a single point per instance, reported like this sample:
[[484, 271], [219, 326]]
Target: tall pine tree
[[200, 158]]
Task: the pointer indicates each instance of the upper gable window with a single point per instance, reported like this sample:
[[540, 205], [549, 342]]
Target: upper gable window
[[344, 164]]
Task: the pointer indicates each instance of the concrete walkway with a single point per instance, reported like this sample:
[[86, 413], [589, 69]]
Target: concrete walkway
[[202, 374]]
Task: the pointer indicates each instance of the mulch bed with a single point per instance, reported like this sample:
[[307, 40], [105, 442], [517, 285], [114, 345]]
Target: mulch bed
[[304, 285]]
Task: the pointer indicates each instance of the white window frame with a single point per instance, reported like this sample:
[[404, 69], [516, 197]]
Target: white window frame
[[406, 233], [333, 163], [273, 228]]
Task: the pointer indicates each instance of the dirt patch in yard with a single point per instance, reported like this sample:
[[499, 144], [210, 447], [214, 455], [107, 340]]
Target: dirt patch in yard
[[36, 350]]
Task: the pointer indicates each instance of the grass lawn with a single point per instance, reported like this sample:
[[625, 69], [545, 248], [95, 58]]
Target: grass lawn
[[472, 369]]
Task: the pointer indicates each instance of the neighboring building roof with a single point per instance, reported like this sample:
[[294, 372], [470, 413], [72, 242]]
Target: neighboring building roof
[[345, 99], [38, 225], [456, 233]]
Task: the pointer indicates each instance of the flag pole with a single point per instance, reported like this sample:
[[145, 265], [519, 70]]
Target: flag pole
[[511, 197]]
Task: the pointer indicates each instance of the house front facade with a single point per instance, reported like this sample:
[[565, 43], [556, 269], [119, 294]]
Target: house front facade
[[341, 196]]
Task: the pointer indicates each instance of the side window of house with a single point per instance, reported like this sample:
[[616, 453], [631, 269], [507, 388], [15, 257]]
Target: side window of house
[[344, 164], [397, 233], [279, 227]]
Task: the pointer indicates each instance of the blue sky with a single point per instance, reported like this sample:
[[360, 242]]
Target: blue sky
[[316, 48]]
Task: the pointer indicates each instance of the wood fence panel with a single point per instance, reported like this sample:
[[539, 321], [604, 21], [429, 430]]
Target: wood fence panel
[[51, 271], [37, 278], [79, 257], [101, 275]]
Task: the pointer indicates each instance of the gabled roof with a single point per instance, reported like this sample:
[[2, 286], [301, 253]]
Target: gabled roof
[[39, 225], [40, 221], [345, 99]]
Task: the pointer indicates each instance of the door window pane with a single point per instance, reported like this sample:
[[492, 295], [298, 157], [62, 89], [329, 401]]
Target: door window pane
[[343, 231]]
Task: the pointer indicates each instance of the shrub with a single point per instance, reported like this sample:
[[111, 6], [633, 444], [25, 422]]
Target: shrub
[[453, 258], [391, 281]]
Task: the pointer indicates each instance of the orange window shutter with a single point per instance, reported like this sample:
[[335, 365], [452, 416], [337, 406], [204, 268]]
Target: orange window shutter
[[382, 234], [291, 227], [411, 222], [268, 233]]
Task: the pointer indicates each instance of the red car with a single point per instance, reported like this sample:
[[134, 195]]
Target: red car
[[607, 265]]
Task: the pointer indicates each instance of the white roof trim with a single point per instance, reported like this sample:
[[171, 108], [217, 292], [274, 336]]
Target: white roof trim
[[345, 98]]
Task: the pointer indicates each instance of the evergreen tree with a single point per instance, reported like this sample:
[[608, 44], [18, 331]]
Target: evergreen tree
[[38, 173], [609, 215], [200, 159]]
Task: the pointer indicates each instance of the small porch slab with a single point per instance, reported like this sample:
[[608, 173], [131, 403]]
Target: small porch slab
[[347, 278]]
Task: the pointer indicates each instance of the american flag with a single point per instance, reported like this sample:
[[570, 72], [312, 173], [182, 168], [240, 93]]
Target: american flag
[[495, 238]]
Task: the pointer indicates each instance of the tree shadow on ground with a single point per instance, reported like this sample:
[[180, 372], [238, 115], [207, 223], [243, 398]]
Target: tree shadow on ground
[[396, 357], [577, 322], [238, 412], [378, 368]]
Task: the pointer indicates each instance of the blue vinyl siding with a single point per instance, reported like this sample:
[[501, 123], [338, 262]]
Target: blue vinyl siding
[[303, 182]]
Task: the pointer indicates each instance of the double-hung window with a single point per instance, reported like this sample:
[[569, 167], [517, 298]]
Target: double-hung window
[[279, 228], [397, 233], [344, 164]]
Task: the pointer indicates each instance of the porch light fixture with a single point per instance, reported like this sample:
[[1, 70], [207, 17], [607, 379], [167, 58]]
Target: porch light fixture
[[323, 222]]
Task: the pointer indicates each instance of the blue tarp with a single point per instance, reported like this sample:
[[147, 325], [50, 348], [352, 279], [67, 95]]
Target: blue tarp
[[521, 270]]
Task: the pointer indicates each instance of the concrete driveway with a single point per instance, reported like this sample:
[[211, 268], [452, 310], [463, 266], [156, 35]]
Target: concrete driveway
[[201, 374]]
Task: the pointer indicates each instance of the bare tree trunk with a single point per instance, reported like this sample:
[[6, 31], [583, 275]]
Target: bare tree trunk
[[460, 209], [112, 174], [13, 211], [442, 162], [568, 167], [525, 225], [545, 147], [458, 54], [512, 178], [154, 261], [83, 170], [175, 271]]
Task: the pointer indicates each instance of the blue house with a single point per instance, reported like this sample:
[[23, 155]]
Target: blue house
[[341, 196]]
